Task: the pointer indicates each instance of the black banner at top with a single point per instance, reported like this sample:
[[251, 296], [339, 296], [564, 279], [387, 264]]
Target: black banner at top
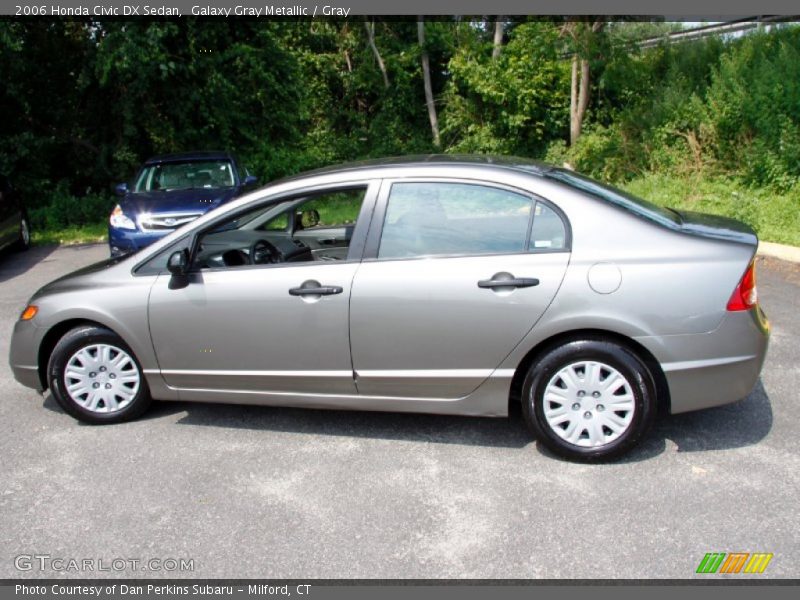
[[671, 9]]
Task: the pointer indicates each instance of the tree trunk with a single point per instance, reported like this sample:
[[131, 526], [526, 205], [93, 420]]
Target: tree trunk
[[579, 97], [426, 75], [581, 76], [498, 37], [583, 94], [370, 25], [574, 128]]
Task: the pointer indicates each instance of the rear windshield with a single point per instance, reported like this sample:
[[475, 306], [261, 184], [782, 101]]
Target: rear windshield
[[620, 198], [186, 175]]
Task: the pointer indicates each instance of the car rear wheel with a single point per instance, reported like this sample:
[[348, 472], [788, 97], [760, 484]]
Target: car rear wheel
[[96, 378], [589, 400]]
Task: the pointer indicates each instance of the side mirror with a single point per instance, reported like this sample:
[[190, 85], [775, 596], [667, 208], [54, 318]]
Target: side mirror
[[309, 218], [250, 180], [121, 189], [178, 262]]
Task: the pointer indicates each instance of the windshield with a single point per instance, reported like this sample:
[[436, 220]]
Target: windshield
[[623, 199], [203, 174]]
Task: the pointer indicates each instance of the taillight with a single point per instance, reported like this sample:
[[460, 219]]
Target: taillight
[[745, 296]]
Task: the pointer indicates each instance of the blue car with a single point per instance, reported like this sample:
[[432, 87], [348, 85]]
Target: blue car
[[170, 191]]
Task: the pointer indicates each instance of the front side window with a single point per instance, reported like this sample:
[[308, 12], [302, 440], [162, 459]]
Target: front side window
[[436, 219], [324, 211], [316, 227], [170, 176]]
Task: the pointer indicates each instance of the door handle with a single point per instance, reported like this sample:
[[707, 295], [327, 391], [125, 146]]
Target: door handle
[[316, 290], [508, 281]]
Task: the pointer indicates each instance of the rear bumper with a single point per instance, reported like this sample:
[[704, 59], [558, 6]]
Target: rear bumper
[[714, 368]]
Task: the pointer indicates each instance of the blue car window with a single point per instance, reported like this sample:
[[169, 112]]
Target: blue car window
[[185, 175]]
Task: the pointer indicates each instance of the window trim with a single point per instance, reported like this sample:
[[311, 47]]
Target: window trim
[[379, 219], [145, 269]]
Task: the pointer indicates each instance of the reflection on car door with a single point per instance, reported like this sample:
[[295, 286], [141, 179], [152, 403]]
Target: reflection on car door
[[240, 331], [430, 314]]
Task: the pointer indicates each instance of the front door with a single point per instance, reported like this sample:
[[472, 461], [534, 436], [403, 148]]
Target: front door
[[241, 330], [261, 318]]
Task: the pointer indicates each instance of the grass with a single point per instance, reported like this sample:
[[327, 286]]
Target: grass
[[340, 208], [85, 234], [774, 215]]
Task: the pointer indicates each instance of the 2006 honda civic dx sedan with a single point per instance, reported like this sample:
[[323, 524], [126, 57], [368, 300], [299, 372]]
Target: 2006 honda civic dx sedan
[[435, 284]]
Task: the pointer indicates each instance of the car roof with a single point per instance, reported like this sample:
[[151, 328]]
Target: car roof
[[513, 163], [184, 156]]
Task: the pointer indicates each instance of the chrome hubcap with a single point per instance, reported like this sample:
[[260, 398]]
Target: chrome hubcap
[[102, 378], [589, 404]]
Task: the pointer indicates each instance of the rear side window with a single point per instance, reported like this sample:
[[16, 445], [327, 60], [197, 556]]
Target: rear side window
[[548, 231], [435, 219]]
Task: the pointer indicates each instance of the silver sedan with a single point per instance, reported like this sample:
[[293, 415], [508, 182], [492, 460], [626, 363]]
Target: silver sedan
[[440, 284]]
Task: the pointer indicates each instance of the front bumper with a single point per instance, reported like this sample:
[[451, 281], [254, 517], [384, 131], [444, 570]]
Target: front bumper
[[24, 354], [715, 368], [126, 241]]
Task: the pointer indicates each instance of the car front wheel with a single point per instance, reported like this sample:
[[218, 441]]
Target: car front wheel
[[589, 400], [24, 240], [96, 378]]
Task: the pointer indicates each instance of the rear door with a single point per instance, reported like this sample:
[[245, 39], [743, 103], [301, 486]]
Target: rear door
[[455, 275]]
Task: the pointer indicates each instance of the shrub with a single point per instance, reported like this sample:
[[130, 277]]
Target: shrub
[[63, 210]]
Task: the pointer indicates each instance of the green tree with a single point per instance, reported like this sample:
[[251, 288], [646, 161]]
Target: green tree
[[514, 103]]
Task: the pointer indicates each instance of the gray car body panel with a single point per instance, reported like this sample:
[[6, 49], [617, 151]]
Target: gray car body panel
[[447, 334], [418, 334]]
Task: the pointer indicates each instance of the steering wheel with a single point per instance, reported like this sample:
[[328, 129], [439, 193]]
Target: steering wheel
[[263, 252]]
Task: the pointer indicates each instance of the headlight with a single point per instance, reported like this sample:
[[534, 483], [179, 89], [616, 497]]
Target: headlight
[[120, 220]]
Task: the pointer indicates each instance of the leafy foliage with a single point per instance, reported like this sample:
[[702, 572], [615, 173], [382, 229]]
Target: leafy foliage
[[713, 107], [515, 104], [86, 101]]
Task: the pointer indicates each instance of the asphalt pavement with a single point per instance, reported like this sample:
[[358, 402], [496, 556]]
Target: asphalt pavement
[[275, 493]]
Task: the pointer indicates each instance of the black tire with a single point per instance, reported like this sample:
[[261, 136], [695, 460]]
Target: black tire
[[546, 370], [24, 240], [87, 338]]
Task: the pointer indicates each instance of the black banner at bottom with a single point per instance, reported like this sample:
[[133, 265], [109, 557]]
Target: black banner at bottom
[[708, 589]]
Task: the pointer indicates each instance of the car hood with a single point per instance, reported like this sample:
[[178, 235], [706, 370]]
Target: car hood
[[80, 279], [198, 200]]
